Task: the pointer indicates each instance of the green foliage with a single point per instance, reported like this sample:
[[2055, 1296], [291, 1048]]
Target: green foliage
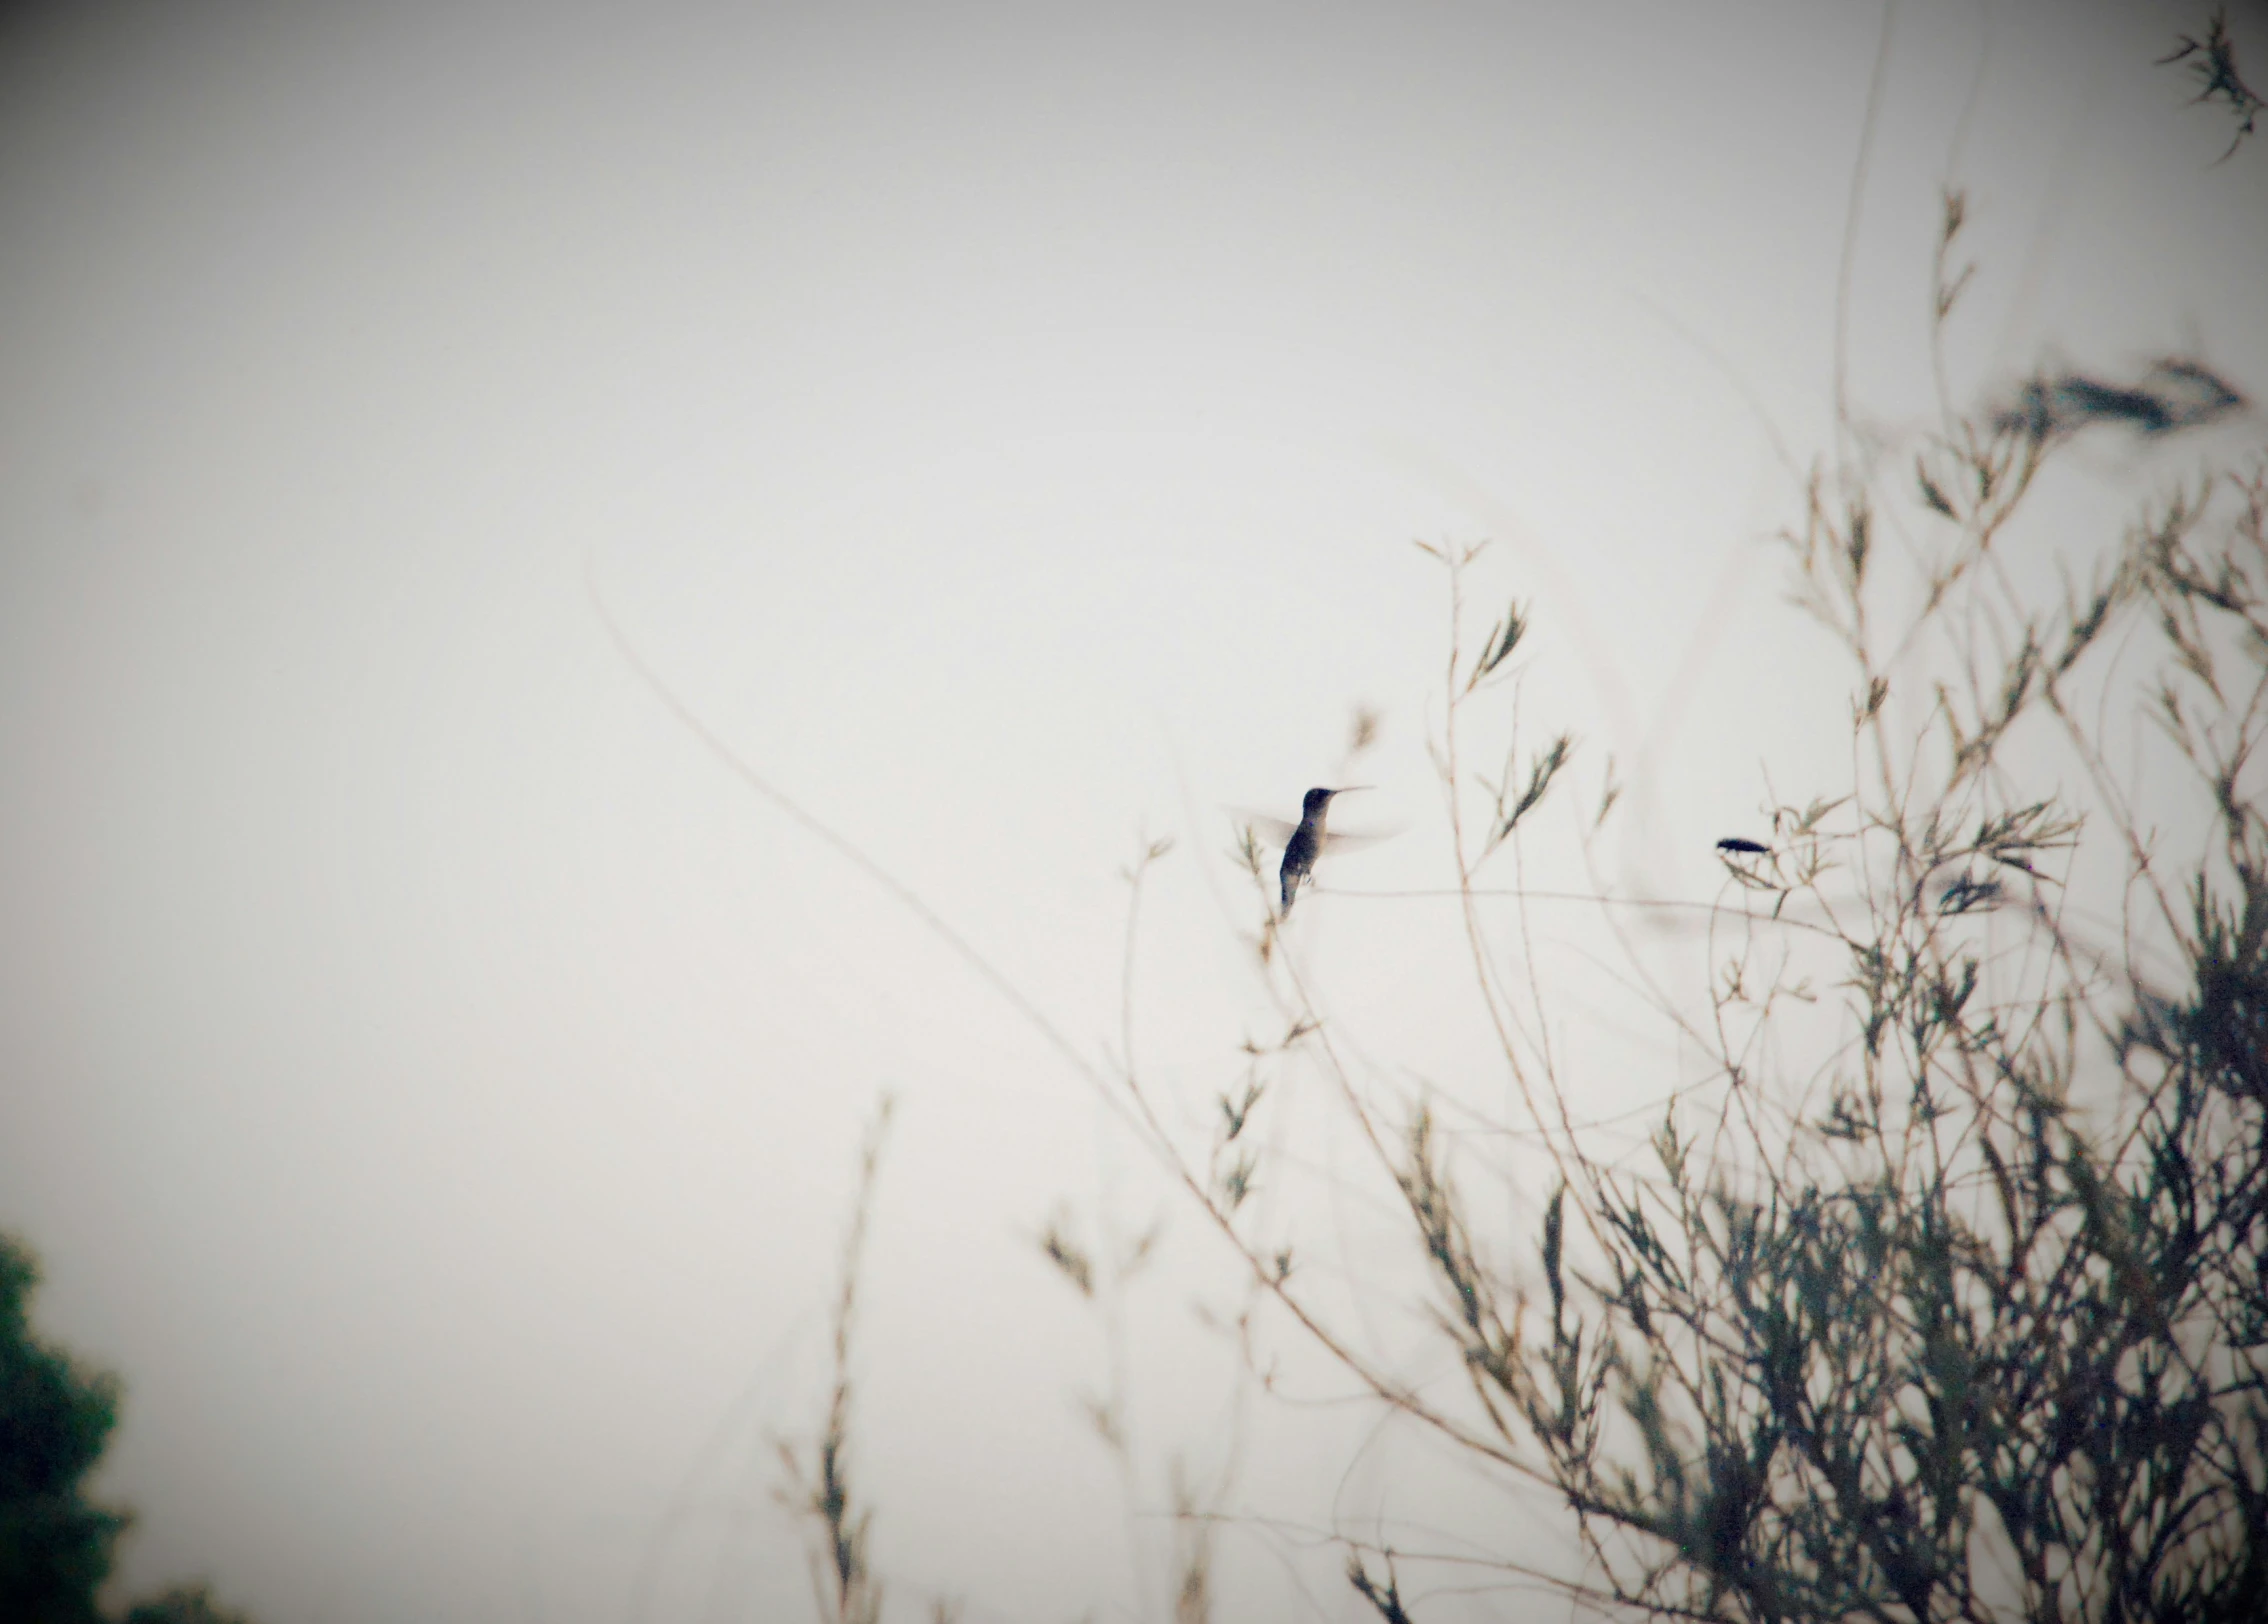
[[55, 1421], [55, 1418], [184, 1604], [1977, 1329]]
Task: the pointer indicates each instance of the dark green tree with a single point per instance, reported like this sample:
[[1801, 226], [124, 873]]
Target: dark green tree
[[55, 1418], [184, 1604]]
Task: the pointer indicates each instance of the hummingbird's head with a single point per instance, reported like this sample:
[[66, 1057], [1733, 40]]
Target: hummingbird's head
[[1318, 799]]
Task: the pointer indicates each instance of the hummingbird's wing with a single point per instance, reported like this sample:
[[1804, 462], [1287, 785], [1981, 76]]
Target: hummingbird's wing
[[1265, 829], [1277, 832], [1339, 841]]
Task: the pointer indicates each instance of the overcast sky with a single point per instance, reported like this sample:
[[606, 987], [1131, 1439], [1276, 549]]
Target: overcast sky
[[433, 1080]]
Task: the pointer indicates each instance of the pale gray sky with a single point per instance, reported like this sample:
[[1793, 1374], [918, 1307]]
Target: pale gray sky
[[433, 1082]]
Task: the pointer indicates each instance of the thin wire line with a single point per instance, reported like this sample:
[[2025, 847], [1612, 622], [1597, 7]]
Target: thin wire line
[[858, 859], [1683, 904]]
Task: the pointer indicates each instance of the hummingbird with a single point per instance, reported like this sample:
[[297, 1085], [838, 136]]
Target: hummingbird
[[1308, 840]]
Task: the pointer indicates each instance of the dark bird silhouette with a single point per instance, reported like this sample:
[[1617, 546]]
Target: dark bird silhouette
[[1307, 841], [1736, 846]]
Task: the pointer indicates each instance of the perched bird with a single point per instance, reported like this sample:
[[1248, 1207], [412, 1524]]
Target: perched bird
[[1737, 846], [1307, 841]]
